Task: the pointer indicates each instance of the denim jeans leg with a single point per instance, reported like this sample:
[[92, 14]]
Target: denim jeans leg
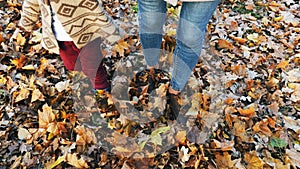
[[151, 16], [194, 18]]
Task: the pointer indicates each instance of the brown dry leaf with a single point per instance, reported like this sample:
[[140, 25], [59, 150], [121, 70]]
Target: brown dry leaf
[[55, 128], [16, 163], [85, 136], [294, 157], [224, 160], [46, 116], [225, 44], [250, 112], [272, 82], [223, 146], [22, 94], [37, 95], [19, 62], [263, 127], [239, 70], [253, 161], [121, 47], [240, 130], [73, 160], [1, 38], [292, 123]]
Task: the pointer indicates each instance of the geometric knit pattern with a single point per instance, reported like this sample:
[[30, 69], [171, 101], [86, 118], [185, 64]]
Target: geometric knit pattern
[[83, 20]]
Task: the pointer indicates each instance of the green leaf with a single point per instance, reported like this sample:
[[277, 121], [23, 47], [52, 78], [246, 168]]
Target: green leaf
[[159, 130], [155, 137], [277, 143]]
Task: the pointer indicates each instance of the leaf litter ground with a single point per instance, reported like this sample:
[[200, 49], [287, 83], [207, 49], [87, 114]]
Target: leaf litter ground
[[244, 95]]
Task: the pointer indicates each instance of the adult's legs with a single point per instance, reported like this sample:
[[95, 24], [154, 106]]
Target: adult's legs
[[194, 18], [152, 16]]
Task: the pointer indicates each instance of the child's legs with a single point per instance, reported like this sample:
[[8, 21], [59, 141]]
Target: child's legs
[[69, 54], [92, 64]]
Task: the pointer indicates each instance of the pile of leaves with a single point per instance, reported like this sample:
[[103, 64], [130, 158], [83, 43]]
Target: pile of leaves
[[244, 95]]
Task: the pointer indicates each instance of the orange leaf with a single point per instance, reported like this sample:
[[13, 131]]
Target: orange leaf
[[1, 38], [229, 101], [181, 137], [238, 39], [223, 146], [283, 64], [19, 62], [225, 44], [247, 112]]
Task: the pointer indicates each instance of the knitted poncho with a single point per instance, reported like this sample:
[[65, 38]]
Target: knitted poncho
[[83, 20]]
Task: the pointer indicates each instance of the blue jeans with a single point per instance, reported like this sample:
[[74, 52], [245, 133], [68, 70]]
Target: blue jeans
[[194, 17]]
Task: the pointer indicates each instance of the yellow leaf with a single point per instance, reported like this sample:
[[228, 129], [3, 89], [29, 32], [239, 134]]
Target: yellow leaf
[[279, 18], [46, 116], [37, 95], [253, 37], [22, 94], [253, 161], [171, 32], [73, 160], [55, 163], [28, 67], [20, 39]]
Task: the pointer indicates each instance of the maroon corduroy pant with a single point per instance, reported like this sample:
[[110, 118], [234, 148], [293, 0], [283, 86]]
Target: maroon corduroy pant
[[88, 60]]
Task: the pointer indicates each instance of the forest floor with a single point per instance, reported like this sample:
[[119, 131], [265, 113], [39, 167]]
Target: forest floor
[[240, 108]]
